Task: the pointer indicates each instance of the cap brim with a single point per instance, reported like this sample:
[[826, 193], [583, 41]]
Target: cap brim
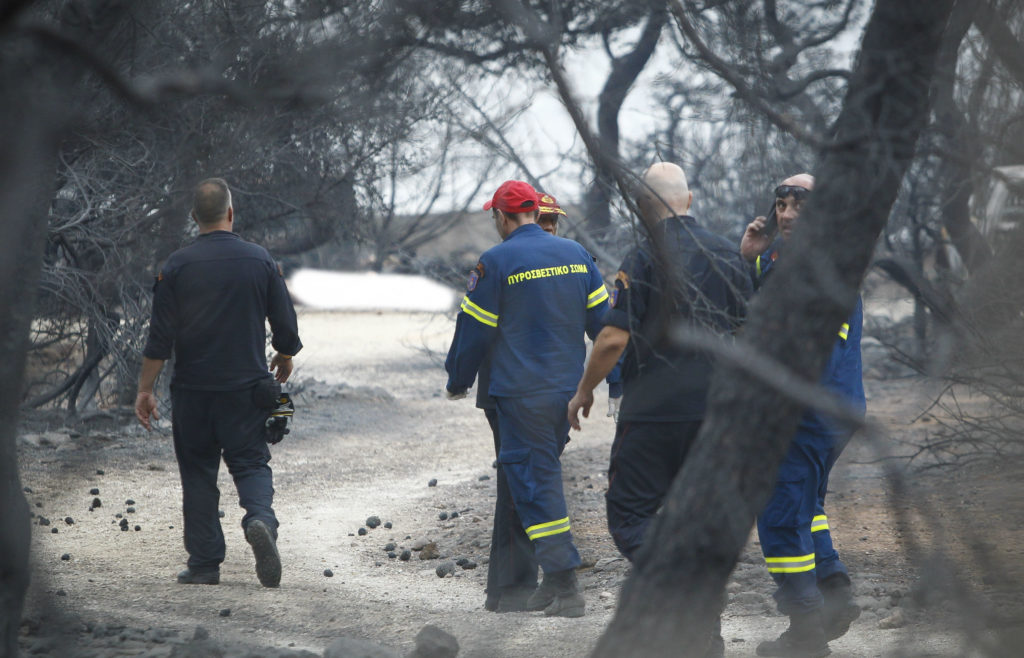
[[548, 210], [488, 204]]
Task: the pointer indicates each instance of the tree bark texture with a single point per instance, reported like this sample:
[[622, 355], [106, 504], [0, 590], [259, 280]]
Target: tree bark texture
[[668, 604], [25, 171]]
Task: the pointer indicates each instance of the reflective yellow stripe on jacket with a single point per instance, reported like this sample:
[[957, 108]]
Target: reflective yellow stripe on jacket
[[819, 523], [795, 564], [844, 330], [476, 312], [596, 297], [548, 529]]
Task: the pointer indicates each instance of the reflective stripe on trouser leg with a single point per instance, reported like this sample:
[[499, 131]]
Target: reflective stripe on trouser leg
[[533, 431]]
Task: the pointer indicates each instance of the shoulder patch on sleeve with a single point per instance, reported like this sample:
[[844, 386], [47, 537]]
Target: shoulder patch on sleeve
[[475, 276], [622, 278]]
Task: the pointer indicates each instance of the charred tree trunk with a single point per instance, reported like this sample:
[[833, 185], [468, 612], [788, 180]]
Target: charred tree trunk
[[955, 135], [26, 147], [624, 73], [669, 603]]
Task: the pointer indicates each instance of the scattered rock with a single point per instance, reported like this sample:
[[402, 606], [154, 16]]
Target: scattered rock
[[226, 612], [96, 502], [406, 554], [432, 642], [372, 522], [419, 544], [361, 531], [468, 564], [61, 592], [604, 596], [484, 477], [454, 515], [124, 525], [66, 557], [129, 502], [896, 620], [68, 520], [131, 510], [99, 471], [430, 552], [392, 555], [445, 569], [138, 528], [44, 521], [390, 546], [53, 530], [27, 489], [94, 491], [609, 563], [347, 647], [387, 524], [432, 483], [443, 516], [328, 573], [220, 513]]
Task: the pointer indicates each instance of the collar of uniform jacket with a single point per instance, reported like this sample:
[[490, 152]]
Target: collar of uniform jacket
[[226, 234], [525, 229]]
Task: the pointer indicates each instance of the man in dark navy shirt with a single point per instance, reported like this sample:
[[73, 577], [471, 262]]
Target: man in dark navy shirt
[[680, 275], [210, 304], [529, 302]]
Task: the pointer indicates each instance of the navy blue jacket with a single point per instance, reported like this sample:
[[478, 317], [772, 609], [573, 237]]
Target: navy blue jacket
[[843, 371], [529, 301], [210, 306], [705, 285]]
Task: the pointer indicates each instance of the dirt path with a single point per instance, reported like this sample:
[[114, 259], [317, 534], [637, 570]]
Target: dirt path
[[369, 434]]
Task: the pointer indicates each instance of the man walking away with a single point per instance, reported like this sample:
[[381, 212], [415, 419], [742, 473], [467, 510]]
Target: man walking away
[[210, 304]]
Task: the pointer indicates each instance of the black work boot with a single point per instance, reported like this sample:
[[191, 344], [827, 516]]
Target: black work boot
[[839, 610], [190, 577], [264, 549], [804, 638], [558, 595], [514, 599]]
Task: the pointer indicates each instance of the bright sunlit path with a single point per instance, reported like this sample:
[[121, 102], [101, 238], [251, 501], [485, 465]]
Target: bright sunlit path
[[369, 291]]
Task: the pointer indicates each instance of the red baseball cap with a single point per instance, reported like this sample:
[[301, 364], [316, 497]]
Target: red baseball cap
[[514, 196], [548, 206]]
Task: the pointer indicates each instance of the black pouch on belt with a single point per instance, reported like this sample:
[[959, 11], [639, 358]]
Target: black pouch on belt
[[266, 394]]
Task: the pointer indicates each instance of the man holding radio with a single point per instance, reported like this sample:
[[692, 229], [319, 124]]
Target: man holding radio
[[814, 587]]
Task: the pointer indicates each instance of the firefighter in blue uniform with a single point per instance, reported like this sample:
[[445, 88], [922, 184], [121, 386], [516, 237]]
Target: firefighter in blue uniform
[[814, 587], [529, 302], [211, 303], [512, 568]]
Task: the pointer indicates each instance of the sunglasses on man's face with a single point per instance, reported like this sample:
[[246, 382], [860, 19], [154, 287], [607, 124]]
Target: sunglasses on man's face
[[795, 191]]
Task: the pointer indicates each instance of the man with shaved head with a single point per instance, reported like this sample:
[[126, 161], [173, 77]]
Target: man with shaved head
[[211, 303], [814, 588], [679, 275]]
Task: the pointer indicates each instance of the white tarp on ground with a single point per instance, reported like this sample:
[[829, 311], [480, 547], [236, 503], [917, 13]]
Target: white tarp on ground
[[369, 291]]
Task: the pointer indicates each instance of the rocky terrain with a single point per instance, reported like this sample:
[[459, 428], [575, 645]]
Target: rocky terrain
[[385, 492]]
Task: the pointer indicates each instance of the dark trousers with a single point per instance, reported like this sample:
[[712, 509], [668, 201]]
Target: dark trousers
[[512, 562], [793, 528], [533, 431], [208, 425], [645, 459]]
